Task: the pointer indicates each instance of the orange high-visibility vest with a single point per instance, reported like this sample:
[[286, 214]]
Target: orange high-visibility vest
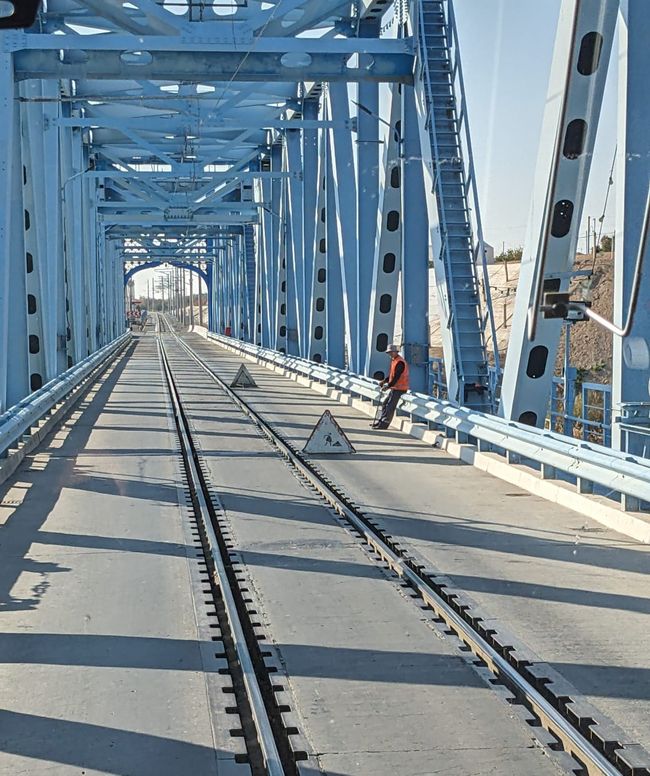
[[402, 383]]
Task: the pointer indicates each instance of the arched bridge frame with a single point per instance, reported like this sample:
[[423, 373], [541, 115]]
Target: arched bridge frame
[[205, 276]]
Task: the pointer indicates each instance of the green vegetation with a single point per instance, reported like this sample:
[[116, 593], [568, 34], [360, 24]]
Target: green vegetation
[[512, 254], [606, 244]]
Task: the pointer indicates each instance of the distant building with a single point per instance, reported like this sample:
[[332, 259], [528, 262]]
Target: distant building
[[489, 253]]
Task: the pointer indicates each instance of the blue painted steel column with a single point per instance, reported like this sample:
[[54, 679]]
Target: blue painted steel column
[[318, 300], [310, 185], [415, 248], [367, 190], [631, 364], [335, 328], [345, 194], [277, 223], [71, 159], [388, 250], [8, 137], [296, 312], [90, 253], [571, 116], [252, 295], [212, 285], [266, 257], [14, 384]]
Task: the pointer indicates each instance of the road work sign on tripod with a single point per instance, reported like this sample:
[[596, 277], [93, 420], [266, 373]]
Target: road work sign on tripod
[[328, 438]]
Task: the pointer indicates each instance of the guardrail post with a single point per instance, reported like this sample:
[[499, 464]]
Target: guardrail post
[[513, 458], [630, 503], [584, 486], [484, 447], [548, 472]]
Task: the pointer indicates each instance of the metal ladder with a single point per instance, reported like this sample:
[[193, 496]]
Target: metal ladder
[[251, 299], [457, 202]]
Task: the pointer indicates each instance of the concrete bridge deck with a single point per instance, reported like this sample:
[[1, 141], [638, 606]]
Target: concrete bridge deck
[[107, 645]]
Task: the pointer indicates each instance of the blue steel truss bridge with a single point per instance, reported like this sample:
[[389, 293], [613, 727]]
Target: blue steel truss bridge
[[189, 584]]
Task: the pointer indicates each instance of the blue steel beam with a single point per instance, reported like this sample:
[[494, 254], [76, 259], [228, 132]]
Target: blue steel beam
[[196, 44], [211, 66]]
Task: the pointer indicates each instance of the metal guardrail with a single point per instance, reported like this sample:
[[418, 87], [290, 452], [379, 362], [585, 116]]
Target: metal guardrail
[[17, 421], [617, 474]]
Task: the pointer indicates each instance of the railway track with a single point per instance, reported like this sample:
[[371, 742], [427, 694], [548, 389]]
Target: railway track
[[266, 738], [590, 758]]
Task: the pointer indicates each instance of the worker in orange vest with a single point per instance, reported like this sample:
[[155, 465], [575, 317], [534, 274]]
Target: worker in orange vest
[[397, 384]]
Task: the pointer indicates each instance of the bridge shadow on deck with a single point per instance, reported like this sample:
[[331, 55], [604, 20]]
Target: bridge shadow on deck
[[485, 535], [82, 745], [22, 528]]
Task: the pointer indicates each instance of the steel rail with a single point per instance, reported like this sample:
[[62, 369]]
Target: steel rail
[[265, 735], [553, 720]]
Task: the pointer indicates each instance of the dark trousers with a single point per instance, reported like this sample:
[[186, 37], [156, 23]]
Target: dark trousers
[[389, 406]]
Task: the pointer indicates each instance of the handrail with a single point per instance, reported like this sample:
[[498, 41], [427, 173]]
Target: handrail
[[590, 463], [17, 420]]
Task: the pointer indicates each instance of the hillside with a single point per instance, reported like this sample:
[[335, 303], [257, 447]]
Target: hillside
[[591, 346]]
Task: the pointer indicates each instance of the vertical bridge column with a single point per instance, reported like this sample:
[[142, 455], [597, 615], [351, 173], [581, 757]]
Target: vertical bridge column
[[631, 369], [344, 189], [367, 192], [584, 39], [415, 249], [14, 383], [388, 249]]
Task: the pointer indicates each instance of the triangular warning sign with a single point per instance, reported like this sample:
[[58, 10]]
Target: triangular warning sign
[[243, 379], [328, 437]]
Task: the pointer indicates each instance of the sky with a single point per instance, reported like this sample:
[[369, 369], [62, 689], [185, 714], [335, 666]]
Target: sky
[[506, 50]]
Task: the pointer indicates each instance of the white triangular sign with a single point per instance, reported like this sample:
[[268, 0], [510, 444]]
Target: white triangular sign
[[243, 379], [328, 437]]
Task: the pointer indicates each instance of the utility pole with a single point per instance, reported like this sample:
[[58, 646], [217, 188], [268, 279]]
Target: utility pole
[[200, 284], [191, 298]]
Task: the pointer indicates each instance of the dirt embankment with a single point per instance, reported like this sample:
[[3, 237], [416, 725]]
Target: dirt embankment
[[591, 345]]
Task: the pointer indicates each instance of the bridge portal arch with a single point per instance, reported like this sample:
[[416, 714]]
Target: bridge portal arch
[[205, 276]]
